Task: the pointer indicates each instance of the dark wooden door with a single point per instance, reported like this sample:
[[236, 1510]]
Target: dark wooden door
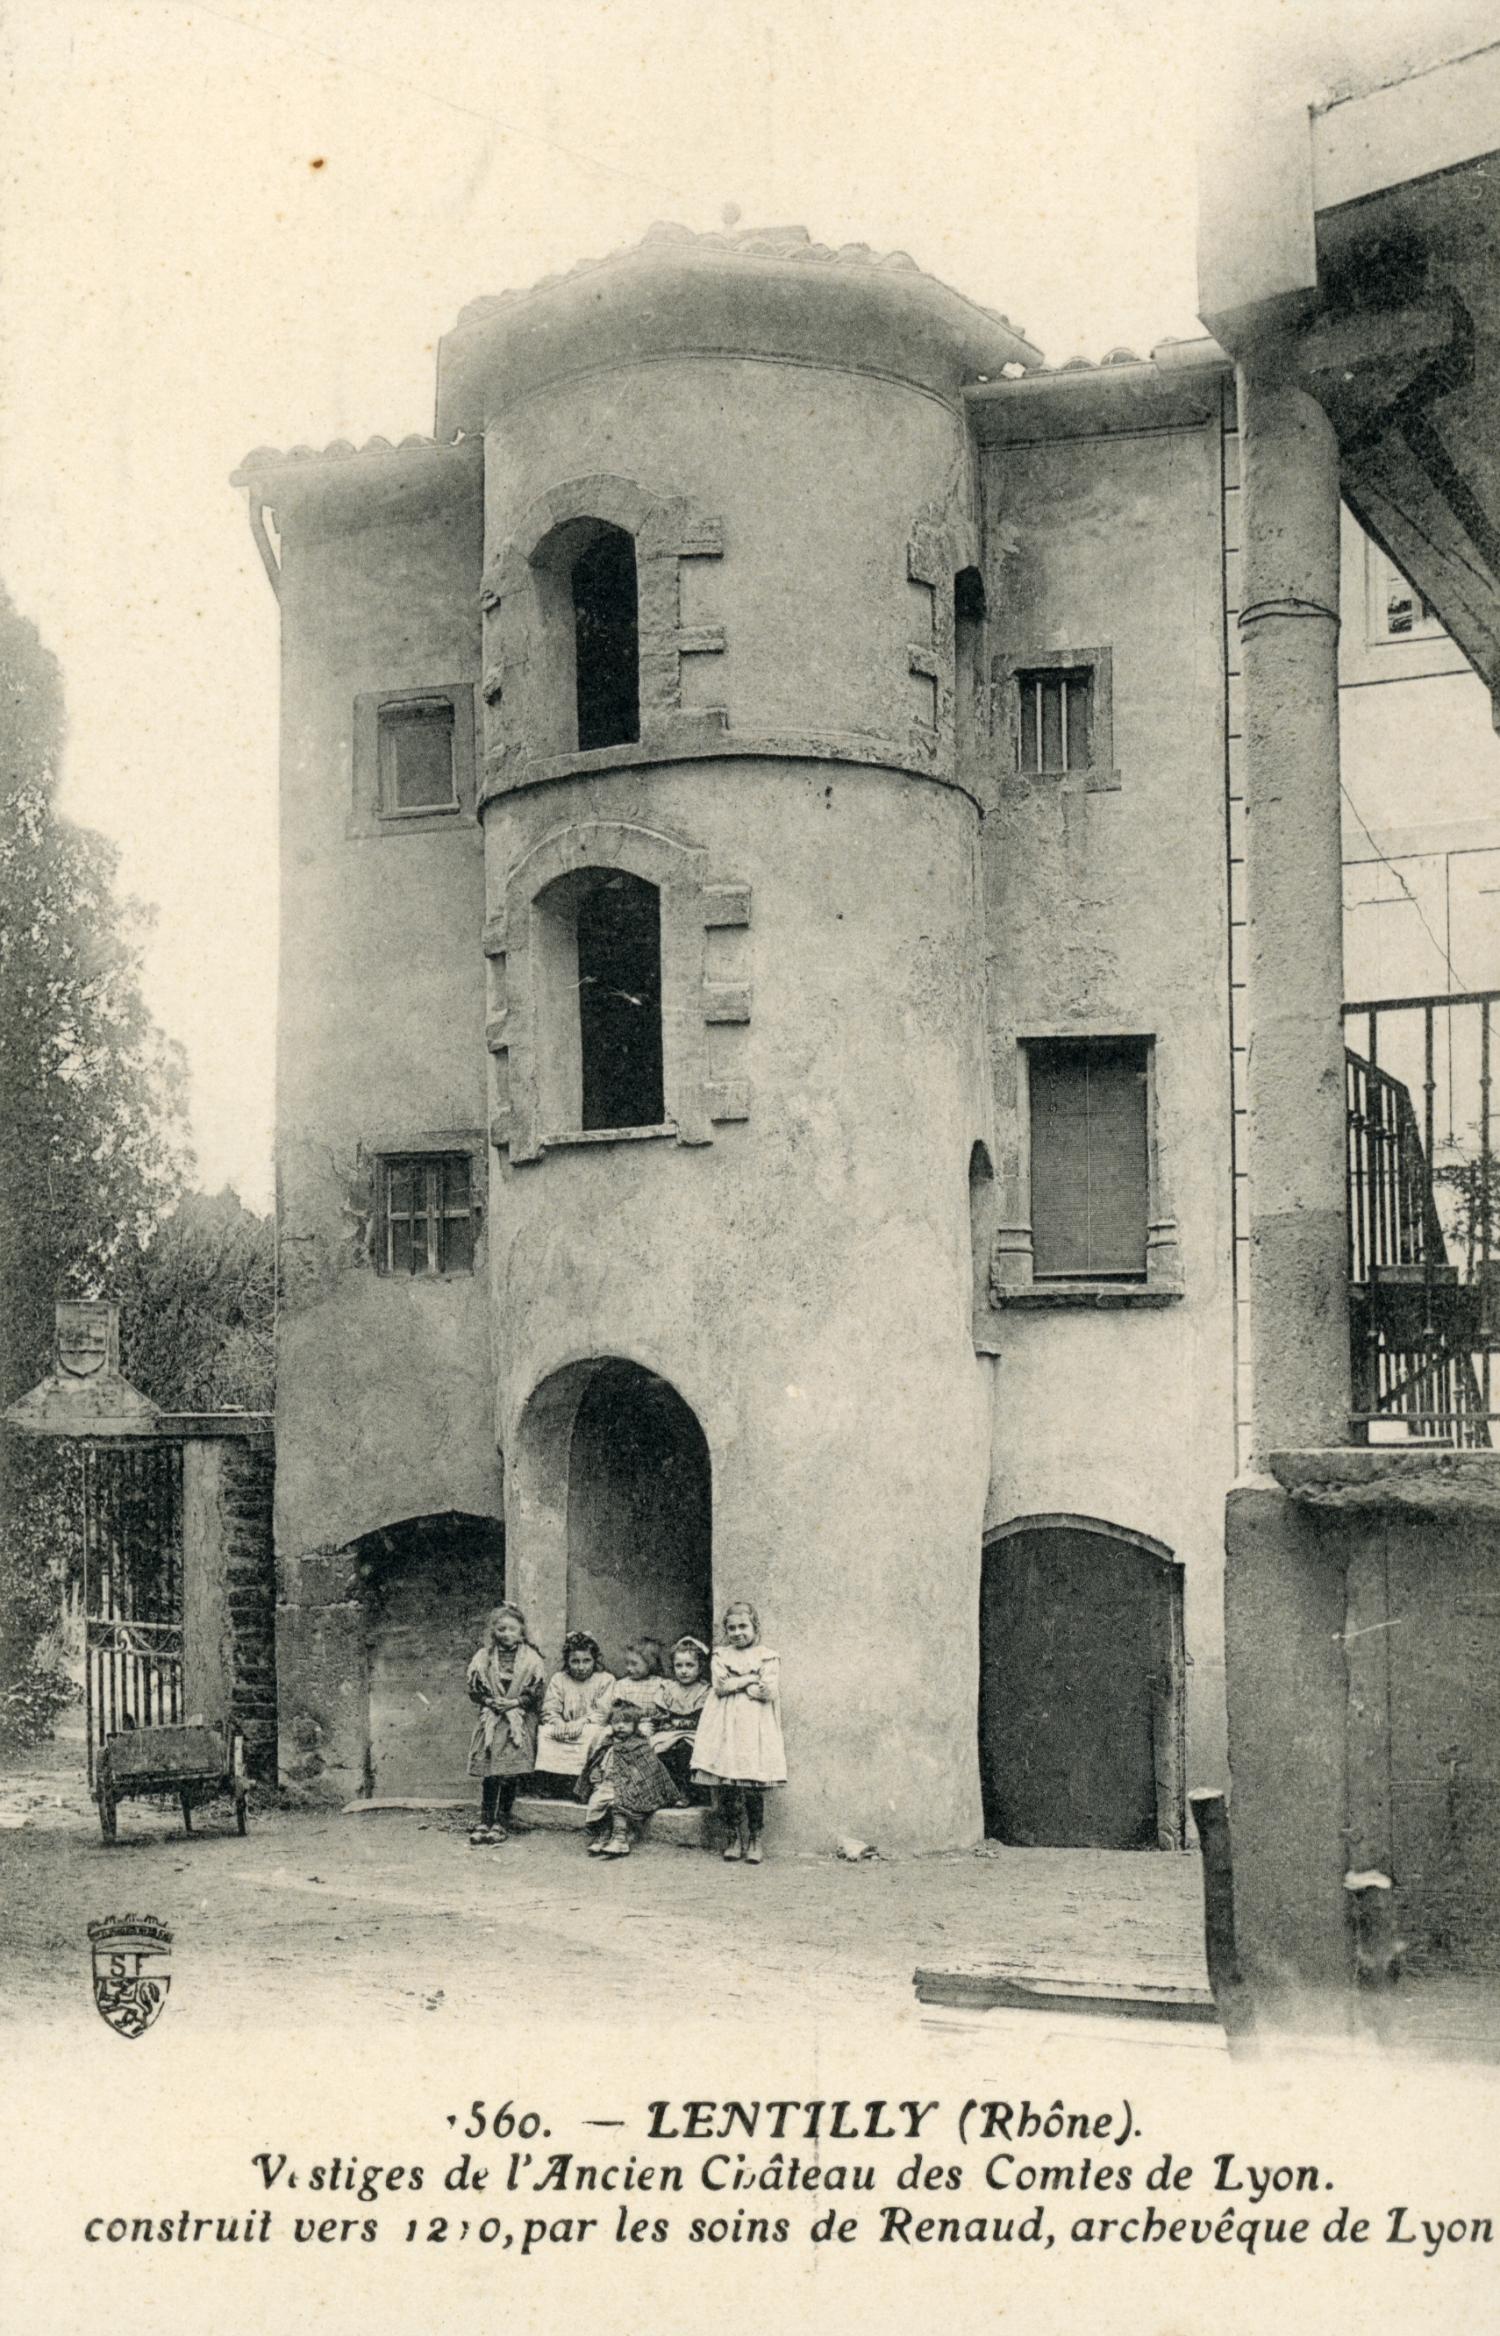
[[1080, 1691]]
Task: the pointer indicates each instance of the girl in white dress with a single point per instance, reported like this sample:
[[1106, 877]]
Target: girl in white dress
[[738, 1748]]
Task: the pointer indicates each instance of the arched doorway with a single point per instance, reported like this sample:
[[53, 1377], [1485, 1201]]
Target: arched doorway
[[1080, 1687], [639, 1511], [428, 1584]]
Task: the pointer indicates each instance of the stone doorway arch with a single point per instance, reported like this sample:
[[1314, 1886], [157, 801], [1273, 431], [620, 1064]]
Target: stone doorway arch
[[612, 1516]]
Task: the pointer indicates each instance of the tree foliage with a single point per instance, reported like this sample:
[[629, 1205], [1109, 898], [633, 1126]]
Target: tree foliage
[[197, 1308], [93, 1145]]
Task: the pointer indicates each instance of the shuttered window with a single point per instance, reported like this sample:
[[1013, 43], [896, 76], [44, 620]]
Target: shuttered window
[[1089, 1158]]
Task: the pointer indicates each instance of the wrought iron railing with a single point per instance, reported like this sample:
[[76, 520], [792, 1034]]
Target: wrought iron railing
[[1424, 1218]]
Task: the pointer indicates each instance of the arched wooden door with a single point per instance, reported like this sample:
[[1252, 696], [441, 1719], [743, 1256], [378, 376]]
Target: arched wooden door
[[1080, 1688]]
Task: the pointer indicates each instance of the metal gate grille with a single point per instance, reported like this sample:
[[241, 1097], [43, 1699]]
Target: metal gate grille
[[132, 1581]]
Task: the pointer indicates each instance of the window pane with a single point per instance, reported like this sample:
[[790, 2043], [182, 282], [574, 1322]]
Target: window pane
[[458, 1244], [1078, 694], [619, 1003], [417, 754], [607, 641], [427, 1214], [1117, 1161], [1059, 1160], [1052, 740]]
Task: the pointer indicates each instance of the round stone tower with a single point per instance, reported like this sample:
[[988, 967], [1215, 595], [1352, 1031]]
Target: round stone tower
[[736, 981]]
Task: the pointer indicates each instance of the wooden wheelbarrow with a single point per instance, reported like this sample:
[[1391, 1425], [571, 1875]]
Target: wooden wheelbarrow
[[192, 1764]]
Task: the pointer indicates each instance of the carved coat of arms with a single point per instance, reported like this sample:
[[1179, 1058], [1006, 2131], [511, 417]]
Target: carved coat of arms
[[131, 1953]]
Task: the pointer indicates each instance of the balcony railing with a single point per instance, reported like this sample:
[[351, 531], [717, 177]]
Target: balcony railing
[[1424, 1219]]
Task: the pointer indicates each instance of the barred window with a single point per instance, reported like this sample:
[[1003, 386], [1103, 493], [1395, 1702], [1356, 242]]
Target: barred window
[[426, 1214], [1054, 720]]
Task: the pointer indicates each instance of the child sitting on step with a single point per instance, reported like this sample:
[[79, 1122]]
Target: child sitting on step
[[623, 1783], [574, 1708], [642, 1671], [679, 1705]]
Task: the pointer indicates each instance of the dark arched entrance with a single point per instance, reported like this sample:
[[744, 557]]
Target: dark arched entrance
[[639, 1511], [1080, 1687], [428, 1584]]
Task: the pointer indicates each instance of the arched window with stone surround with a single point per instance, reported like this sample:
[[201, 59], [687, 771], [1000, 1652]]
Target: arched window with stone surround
[[583, 632], [601, 1001]]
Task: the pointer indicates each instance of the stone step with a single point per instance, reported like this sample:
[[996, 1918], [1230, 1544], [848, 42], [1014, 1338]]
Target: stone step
[[683, 1828]]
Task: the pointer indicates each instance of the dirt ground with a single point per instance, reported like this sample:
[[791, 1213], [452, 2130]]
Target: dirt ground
[[392, 1914]]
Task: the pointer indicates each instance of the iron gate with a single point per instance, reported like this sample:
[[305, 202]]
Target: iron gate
[[132, 1587]]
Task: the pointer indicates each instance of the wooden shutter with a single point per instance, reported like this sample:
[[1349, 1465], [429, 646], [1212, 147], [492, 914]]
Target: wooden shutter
[[1088, 1159]]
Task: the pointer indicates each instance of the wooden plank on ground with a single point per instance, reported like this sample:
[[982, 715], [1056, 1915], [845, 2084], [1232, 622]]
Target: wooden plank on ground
[[999, 1989]]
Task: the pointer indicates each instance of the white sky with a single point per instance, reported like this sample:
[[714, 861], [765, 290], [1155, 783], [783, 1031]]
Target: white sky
[[181, 286]]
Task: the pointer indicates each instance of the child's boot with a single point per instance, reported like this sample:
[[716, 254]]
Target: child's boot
[[752, 1847], [618, 1844]]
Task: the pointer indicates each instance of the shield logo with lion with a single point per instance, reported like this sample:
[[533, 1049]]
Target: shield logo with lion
[[131, 1975]]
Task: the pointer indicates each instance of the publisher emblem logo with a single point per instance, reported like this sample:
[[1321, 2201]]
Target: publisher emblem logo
[[131, 1953]]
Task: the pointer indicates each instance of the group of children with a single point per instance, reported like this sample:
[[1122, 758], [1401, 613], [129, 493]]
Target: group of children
[[632, 1744]]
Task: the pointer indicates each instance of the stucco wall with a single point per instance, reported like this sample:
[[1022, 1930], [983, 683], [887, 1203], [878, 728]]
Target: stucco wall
[[384, 1384], [1107, 913]]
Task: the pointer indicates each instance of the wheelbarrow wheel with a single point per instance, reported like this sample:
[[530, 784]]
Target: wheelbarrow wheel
[[241, 1814], [105, 1795]]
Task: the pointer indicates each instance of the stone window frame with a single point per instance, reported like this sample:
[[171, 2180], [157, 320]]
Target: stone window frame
[[368, 815], [1013, 1279], [404, 1143], [1100, 776], [694, 1101], [666, 530], [942, 545]]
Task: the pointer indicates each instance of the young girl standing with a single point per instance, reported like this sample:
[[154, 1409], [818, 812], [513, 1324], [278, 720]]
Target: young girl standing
[[507, 1681], [738, 1748]]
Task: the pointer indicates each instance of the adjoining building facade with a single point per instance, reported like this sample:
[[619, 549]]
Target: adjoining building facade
[[763, 1035]]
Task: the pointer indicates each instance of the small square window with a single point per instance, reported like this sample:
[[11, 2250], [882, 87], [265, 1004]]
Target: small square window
[[425, 1214], [416, 756], [1054, 720]]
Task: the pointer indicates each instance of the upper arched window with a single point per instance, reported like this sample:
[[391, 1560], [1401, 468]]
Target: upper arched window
[[586, 581], [606, 641]]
